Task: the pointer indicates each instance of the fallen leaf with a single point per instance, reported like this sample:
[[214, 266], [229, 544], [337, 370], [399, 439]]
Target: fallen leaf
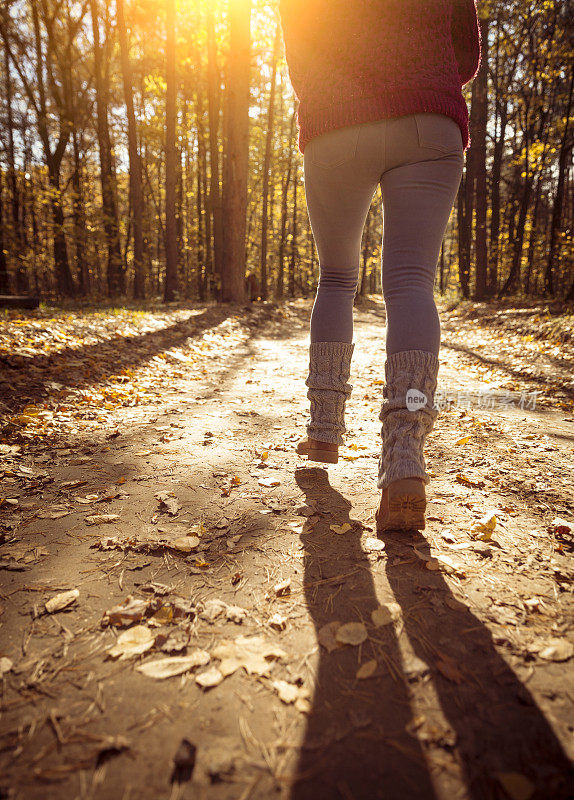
[[5, 665], [340, 529], [175, 665], [373, 545], [327, 635], [209, 678], [278, 622], [353, 633], [61, 601], [463, 440], [269, 482], [185, 544], [557, 650], [366, 670], [484, 526], [287, 692], [385, 614], [212, 609], [131, 610], [470, 482], [131, 643], [283, 587], [253, 653], [168, 503], [101, 519], [562, 526]]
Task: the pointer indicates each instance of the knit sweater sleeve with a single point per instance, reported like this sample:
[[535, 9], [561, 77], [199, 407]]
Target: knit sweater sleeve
[[466, 39]]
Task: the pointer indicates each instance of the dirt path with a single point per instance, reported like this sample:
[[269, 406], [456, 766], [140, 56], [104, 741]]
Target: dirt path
[[250, 562]]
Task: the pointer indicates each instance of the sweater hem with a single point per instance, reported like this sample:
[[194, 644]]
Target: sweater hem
[[357, 111]]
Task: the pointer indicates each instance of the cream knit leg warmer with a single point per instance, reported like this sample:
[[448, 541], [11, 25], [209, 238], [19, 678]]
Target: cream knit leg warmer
[[329, 371], [404, 431]]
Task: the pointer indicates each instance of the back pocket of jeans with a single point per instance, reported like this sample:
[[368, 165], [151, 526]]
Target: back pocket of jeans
[[438, 132], [335, 148]]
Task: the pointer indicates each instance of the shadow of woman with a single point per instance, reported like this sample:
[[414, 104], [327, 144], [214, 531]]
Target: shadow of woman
[[363, 737], [356, 743], [501, 733]]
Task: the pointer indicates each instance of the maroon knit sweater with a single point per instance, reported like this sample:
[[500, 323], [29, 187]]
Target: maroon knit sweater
[[355, 61]]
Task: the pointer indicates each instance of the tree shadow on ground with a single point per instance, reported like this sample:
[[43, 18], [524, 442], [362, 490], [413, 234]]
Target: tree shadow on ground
[[356, 744], [541, 380], [23, 378]]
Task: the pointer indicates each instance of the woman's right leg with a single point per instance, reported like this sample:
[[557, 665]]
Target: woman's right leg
[[342, 170]]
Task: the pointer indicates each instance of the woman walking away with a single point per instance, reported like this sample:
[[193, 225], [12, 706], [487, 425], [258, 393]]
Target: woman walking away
[[380, 102]]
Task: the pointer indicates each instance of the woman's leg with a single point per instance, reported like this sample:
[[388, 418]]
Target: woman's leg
[[341, 176], [417, 202], [422, 174]]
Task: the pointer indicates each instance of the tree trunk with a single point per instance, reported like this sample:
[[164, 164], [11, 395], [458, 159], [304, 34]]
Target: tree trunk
[[4, 279], [479, 141], [171, 259], [79, 215], [64, 280], [136, 185], [266, 166], [236, 151], [214, 103], [463, 239], [17, 243], [494, 246], [115, 275], [565, 150]]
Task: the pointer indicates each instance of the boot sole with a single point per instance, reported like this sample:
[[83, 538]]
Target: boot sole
[[315, 454], [406, 513]]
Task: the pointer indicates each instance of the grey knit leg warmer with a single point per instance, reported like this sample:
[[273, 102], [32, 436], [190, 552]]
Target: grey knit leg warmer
[[329, 371], [404, 431]]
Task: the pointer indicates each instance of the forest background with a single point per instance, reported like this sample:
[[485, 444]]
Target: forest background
[[148, 149]]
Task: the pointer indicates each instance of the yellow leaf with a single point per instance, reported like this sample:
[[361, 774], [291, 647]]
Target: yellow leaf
[[464, 440], [341, 528]]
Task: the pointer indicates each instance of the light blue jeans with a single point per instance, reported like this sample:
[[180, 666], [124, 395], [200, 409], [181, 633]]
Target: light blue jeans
[[418, 160]]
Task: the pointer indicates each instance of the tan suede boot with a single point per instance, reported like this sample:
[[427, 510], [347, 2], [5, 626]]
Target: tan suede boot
[[407, 416], [328, 390]]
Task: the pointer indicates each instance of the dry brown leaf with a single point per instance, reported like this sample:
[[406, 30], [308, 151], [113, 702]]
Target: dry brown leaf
[[353, 633], [385, 614], [557, 650], [174, 665], [131, 643], [101, 519], [211, 677], [367, 670], [168, 503], [327, 635], [62, 600]]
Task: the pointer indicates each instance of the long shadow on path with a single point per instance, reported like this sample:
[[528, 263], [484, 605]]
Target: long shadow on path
[[356, 743]]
